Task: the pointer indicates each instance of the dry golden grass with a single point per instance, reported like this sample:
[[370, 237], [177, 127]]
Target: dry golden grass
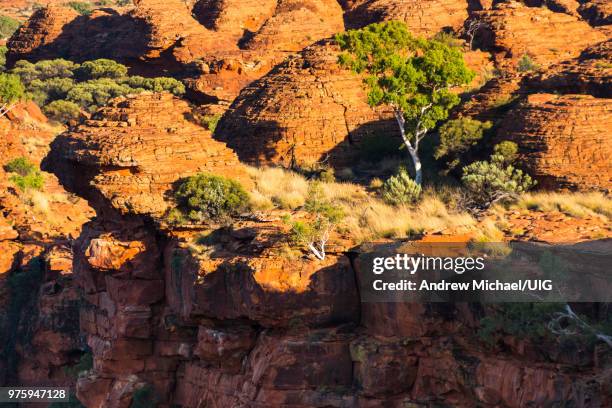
[[277, 187], [577, 205], [367, 217]]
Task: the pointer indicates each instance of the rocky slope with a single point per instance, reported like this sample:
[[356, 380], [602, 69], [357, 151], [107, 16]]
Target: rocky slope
[[134, 149], [424, 18], [228, 320]]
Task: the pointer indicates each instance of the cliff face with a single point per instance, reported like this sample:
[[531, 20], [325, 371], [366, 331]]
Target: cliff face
[[134, 149], [513, 30], [39, 327], [565, 139]]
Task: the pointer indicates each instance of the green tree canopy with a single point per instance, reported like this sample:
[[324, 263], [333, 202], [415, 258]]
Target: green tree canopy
[[11, 91], [412, 75], [101, 68], [8, 26], [457, 136]]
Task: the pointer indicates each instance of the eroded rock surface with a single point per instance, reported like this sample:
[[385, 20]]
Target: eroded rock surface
[[135, 148], [306, 109], [565, 140], [514, 30], [425, 18]]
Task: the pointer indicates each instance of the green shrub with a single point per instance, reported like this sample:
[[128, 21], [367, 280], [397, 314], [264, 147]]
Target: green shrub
[[44, 91], [159, 84], [3, 51], [400, 189], [210, 122], [95, 93], [21, 165], [27, 175], [62, 111], [43, 70], [315, 233], [11, 89], [525, 320], [457, 136], [526, 64], [8, 26], [80, 7], [101, 68], [507, 150], [206, 196], [489, 181]]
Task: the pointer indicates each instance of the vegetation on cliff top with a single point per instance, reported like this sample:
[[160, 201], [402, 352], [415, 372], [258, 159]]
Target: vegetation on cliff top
[[208, 197], [64, 88]]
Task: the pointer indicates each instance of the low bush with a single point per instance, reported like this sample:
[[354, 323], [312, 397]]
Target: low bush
[[491, 181], [62, 111], [508, 151], [315, 233], [81, 7], [401, 189], [206, 196], [526, 64], [27, 175], [3, 51], [101, 68], [89, 85], [8, 26]]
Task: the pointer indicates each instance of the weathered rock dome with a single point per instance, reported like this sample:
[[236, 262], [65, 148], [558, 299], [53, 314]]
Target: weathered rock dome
[[306, 109], [565, 140], [134, 149], [423, 17]]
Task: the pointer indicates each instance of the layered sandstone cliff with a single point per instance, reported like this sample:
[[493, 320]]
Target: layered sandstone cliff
[[134, 149], [565, 140], [39, 328]]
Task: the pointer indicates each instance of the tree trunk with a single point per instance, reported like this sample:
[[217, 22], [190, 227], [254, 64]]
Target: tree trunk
[[414, 154], [418, 170]]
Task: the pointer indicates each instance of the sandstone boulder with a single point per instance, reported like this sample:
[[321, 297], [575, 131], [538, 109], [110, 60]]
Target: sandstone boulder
[[306, 109], [564, 140]]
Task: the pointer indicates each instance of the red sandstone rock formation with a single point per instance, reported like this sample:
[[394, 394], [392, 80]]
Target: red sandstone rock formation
[[514, 30], [591, 73], [565, 140], [597, 12], [306, 109], [296, 24], [39, 327], [135, 148], [424, 18]]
